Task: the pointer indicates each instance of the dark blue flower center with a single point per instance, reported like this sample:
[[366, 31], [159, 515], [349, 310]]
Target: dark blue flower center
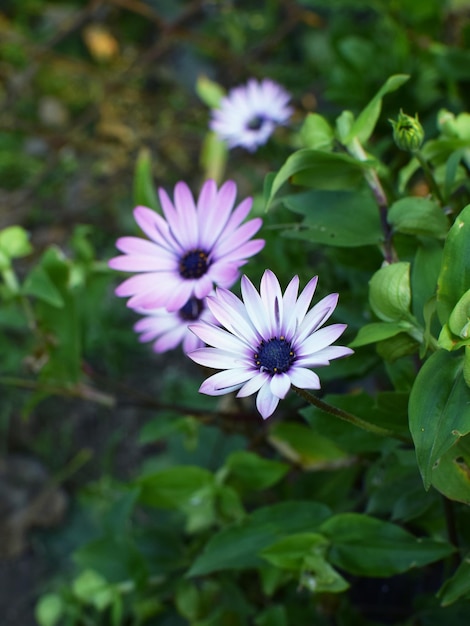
[[194, 264], [256, 122], [274, 356], [191, 310]]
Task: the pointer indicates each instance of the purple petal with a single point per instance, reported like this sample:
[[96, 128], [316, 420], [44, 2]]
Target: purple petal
[[170, 339], [220, 359], [134, 263], [230, 312], [186, 225], [137, 284], [219, 338]]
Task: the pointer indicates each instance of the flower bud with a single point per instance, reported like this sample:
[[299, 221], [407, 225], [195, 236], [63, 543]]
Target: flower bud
[[407, 132]]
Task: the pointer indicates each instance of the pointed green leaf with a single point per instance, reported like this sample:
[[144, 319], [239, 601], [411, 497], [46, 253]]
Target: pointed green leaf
[[365, 123], [451, 473], [237, 546], [316, 133], [439, 409], [371, 333], [457, 586], [336, 218], [418, 216], [321, 170], [366, 546], [250, 471], [38, 284], [173, 487], [144, 189], [210, 92], [454, 278]]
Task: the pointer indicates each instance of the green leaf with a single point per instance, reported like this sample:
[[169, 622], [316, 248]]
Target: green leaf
[[336, 218], [37, 283], [366, 546], [424, 274], [250, 471], [210, 92], [344, 123], [451, 473], [274, 615], [364, 125], [316, 133], [459, 320], [377, 331], [390, 292], [439, 409], [305, 447], [173, 487], [304, 554], [289, 552], [92, 588], [397, 347], [454, 278], [214, 154], [60, 323], [321, 170], [457, 586], [418, 216], [144, 189], [237, 546], [49, 610], [14, 242], [187, 600]]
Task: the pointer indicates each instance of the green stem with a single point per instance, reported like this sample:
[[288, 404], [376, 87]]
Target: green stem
[[347, 417], [355, 148], [429, 176]]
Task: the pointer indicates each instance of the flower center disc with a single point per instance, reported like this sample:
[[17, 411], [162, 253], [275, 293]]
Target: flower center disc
[[274, 356], [194, 264], [256, 122], [191, 310]]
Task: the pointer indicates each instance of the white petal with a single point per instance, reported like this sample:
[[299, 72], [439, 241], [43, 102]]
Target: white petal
[[266, 402], [304, 378], [254, 384], [225, 382], [320, 339], [280, 385]]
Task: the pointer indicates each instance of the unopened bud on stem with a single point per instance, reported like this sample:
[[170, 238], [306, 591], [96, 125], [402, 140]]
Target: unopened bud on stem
[[407, 132]]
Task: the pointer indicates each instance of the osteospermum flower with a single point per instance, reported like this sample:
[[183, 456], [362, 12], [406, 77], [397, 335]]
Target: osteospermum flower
[[269, 341], [248, 115], [168, 329], [194, 248]]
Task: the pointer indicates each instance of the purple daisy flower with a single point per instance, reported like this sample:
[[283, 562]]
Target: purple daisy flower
[[270, 341], [169, 329], [196, 247], [248, 115]]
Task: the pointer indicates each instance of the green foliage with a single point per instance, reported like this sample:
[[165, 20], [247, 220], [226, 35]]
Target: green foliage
[[218, 518]]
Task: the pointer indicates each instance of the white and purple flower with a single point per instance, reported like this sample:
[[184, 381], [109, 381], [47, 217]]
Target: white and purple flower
[[248, 115], [269, 341], [190, 250], [168, 329]]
